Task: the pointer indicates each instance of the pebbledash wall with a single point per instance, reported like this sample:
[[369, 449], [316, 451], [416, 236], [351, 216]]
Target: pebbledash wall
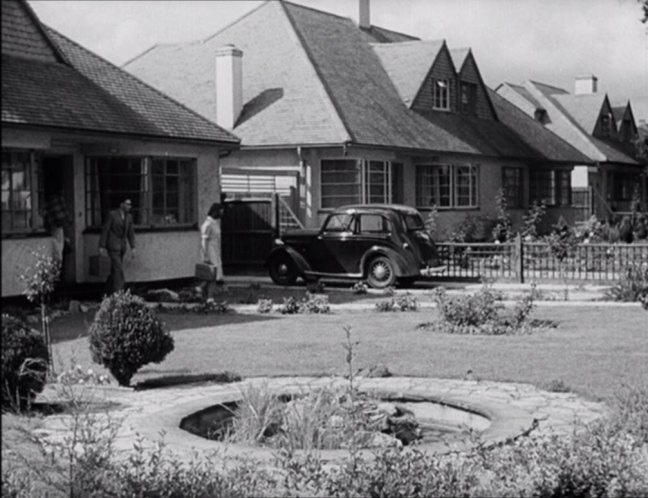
[[305, 161], [161, 253]]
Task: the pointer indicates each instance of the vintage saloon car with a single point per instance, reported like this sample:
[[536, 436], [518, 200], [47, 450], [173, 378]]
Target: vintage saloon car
[[376, 242]]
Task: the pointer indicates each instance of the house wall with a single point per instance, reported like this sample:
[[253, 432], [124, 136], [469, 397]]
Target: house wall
[[162, 253]]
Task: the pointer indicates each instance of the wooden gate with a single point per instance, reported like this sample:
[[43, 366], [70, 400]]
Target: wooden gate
[[248, 229]]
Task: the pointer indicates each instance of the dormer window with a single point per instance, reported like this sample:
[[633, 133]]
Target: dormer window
[[468, 97], [606, 125], [441, 90]]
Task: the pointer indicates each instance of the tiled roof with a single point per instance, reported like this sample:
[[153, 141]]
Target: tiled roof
[[284, 100], [407, 64], [310, 77], [585, 109], [381, 35], [548, 144], [86, 92], [23, 35], [572, 118]]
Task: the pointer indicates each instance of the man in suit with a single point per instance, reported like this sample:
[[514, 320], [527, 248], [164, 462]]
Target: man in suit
[[117, 229]]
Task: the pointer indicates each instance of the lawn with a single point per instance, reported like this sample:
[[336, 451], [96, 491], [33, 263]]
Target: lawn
[[594, 350]]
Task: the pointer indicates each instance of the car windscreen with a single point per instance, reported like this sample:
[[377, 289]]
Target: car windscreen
[[413, 221]]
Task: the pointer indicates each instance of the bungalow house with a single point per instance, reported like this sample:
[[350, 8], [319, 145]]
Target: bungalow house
[[74, 123], [602, 132], [334, 112]]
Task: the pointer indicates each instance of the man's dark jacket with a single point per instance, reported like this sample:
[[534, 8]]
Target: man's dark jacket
[[116, 231]]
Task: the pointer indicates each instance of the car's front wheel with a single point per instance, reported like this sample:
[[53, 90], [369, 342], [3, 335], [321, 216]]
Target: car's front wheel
[[381, 273], [283, 270]]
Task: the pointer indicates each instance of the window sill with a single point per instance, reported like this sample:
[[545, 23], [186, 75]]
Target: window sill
[[26, 235], [162, 229], [450, 208]]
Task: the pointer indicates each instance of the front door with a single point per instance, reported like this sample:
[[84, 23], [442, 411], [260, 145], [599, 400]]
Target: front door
[[57, 177]]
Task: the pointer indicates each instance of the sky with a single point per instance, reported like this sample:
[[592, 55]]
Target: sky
[[551, 41]]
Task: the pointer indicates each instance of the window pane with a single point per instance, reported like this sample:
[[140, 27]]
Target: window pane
[[371, 223], [340, 182], [339, 223]]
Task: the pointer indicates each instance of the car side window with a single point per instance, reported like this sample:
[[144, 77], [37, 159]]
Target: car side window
[[339, 223], [373, 223]]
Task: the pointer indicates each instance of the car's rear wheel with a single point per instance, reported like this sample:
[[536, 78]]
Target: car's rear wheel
[[381, 273], [283, 270]]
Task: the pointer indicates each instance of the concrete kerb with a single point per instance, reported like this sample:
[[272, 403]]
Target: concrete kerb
[[150, 416]]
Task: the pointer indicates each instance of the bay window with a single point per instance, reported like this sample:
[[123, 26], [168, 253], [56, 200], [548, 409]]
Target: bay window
[[358, 181], [162, 190], [20, 191], [447, 186], [551, 186]]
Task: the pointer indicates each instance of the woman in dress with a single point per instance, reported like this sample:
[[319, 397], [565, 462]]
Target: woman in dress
[[210, 245]]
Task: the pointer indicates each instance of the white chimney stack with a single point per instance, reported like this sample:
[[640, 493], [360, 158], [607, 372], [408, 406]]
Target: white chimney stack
[[364, 20], [585, 85], [229, 85]]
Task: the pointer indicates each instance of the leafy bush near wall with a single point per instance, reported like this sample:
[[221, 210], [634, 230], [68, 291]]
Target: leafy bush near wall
[[632, 286], [126, 335], [312, 303], [24, 363], [406, 302]]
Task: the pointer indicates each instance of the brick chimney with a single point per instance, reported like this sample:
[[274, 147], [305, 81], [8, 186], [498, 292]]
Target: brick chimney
[[364, 19], [585, 85], [229, 85]]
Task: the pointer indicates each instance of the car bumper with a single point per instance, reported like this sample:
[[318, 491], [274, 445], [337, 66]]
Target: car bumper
[[430, 271]]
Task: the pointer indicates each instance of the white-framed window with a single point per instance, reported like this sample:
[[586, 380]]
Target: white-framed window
[[551, 186], [162, 189], [606, 125], [441, 94], [468, 98], [21, 191], [513, 187], [357, 181], [447, 185]]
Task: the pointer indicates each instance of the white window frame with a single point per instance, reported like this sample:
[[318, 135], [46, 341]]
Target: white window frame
[[441, 94], [35, 219], [450, 173], [364, 172]]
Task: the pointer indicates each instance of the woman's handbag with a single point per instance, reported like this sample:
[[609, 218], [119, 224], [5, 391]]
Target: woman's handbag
[[205, 271]]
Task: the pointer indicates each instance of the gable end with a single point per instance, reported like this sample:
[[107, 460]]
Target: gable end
[[442, 69]]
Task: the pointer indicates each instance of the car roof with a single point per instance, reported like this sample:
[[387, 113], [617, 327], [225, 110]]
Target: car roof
[[400, 208]]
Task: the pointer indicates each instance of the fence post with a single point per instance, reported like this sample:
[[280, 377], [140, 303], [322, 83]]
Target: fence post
[[519, 262]]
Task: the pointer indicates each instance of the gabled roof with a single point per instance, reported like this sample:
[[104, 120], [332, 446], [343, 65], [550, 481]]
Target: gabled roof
[[535, 133], [408, 63], [585, 109], [381, 35], [314, 78], [570, 117], [459, 56], [79, 91]]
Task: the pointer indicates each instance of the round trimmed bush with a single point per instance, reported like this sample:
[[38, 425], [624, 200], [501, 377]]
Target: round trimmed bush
[[24, 363], [126, 335]]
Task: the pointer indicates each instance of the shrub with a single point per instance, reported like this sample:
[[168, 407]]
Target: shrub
[[360, 287], [312, 303], [482, 313], [531, 220], [406, 302], [126, 335], [503, 229], [632, 286], [264, 305], [24, 363]]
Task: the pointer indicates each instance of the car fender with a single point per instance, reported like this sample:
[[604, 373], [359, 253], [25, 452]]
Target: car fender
[[298, 259], [402, 267]]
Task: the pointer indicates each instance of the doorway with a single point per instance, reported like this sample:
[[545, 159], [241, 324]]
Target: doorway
[[57, 177]]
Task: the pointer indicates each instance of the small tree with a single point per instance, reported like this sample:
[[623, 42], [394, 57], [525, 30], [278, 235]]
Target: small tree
[[503, 229], [126, 335], [532, 219], [562, 244], [39, 282]]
